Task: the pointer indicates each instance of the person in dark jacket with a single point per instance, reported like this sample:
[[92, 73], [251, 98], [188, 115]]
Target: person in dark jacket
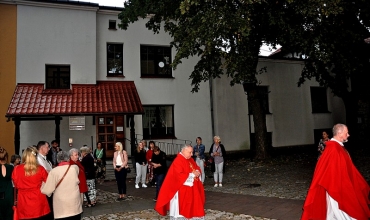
[[88, 164], [159, 168]]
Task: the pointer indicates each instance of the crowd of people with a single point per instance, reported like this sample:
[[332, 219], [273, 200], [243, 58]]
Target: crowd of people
[[45, 172], [38, 181]]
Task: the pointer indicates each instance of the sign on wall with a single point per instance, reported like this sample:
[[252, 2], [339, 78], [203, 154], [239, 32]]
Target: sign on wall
[[77, 123]]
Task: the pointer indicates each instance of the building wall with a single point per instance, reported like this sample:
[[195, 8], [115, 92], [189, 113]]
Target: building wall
[[78, 36], [192, 116], [291, 120], [8, 36], [52, 35]]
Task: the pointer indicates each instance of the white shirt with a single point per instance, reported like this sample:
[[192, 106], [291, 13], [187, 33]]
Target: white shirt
[[41, 159]]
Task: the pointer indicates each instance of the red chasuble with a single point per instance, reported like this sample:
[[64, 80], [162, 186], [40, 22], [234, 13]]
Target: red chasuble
[[336, 174], [191, 199]]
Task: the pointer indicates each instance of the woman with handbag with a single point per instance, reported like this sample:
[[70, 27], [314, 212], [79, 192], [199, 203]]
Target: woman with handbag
[[28, 178], [6, 187], [217, 151], [63, 183], [120, 160]]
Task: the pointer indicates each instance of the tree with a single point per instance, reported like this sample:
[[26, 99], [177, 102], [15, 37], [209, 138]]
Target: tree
[[225, 35], [335, 53]]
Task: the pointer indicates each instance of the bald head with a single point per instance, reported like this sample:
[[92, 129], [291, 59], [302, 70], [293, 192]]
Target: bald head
[[187, 151], [340, 133]]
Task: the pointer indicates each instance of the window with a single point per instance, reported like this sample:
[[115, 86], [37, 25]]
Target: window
[[58, 76], [158, 122], [115, 59], [155, 61], [263, 92], [112, 25], [319, 100]]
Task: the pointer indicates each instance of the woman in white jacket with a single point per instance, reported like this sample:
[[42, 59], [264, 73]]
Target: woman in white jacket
[[63, 182]]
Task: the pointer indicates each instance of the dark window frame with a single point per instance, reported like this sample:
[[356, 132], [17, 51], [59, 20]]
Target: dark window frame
[[114, 50], [263, 93], [112, 25], [319, 99], [151, 59], [60, 78], [156, 125]]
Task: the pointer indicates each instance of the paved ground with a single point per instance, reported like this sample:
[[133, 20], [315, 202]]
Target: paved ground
[[274, 190]]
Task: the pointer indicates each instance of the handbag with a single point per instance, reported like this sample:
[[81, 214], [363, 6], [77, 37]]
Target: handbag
[[128, 169], [210, 160], [15, 211]]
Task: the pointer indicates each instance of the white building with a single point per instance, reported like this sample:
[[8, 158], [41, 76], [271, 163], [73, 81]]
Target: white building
[[92, 77]]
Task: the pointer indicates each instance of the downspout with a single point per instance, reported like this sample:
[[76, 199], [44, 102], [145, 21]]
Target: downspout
[[211, 103]]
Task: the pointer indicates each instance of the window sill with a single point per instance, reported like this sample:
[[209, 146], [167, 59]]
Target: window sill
[[323, 112], [113, 75], [112, 29], [157, 77]]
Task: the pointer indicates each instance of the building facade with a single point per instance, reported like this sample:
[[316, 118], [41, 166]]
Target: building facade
[[80, 79]]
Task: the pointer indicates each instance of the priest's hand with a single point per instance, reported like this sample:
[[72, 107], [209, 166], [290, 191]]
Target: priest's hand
[[196, 173]]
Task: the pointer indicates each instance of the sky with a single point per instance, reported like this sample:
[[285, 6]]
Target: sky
[[119, 3]]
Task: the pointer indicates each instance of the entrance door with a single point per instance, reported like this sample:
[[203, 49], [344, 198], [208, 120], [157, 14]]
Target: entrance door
[[110, 129]]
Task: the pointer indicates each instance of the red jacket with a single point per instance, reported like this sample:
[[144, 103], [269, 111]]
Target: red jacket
[[31, 202], [81, 176], [336, 174]]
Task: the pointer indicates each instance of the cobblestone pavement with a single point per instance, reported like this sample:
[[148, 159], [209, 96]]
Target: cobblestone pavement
[[284, 177], [151, 214]]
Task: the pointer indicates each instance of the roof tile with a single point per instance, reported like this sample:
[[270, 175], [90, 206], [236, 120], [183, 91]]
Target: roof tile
[[102, 98]]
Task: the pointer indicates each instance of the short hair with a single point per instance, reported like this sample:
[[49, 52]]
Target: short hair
[[186, 146], [3, 154], [151, 142], [54, 141], [62, 156], [198, 138], [14, 157], [338, 128], [217, 138], [71, 151], [156, 148], [85, 150], [120, 146], [41, 143]]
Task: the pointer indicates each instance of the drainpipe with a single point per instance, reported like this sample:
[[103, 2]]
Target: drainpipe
[[211, 103]]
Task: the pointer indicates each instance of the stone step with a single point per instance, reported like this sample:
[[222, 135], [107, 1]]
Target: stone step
[[110, 171]]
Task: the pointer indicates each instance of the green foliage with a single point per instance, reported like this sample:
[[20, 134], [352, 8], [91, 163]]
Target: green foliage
[[331, 36], [225, 35]]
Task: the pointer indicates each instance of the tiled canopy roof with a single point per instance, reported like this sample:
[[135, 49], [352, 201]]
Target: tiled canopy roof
[[102, 98]]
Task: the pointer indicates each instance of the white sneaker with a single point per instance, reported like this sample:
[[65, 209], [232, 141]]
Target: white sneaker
[[137, 186], [220, 184], [215, 185], [144, 186]]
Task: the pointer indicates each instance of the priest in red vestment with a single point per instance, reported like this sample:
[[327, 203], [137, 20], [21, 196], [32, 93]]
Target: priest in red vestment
[[182, 192], [338, 190]]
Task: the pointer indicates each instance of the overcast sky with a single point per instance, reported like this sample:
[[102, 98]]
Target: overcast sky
[[119, 3]]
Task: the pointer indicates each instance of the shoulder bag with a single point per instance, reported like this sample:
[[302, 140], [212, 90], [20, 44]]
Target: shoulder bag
[[63, 176]]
